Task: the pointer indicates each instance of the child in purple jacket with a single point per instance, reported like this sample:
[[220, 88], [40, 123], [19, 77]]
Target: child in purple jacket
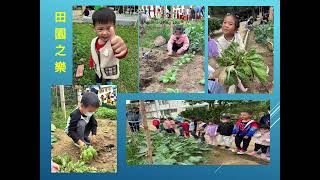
[[212, 133]]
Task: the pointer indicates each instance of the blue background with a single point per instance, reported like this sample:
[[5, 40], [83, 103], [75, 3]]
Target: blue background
[[49, 77]]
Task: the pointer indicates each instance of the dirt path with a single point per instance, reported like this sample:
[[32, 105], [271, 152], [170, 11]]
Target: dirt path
[[106, 134], [225, 157], [151, 69]]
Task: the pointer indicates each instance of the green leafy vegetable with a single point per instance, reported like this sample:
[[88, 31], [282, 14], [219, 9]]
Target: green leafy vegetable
[[87, 154], [242, 64]]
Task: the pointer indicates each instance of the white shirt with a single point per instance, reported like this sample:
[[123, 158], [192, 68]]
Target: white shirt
[[223, 43]]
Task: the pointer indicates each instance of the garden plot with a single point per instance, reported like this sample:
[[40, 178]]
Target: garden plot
[[157, 63], [268, 57], [106, 159]]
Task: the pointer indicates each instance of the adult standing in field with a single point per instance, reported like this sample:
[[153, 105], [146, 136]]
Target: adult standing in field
[[134, 119], [145, 9], [149, 7], [197, 11], [193, 14], [154, 11], [202, 11], [143, 18]]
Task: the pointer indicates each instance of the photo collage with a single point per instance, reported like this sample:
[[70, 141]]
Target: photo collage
[[200, 52]]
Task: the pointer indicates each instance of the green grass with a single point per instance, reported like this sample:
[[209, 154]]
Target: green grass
[[82, 36], [151, 32], [106, 113], [57, 117]]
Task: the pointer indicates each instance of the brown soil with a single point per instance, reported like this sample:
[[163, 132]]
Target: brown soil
[[156, 64], [225, 157], [106, 134]]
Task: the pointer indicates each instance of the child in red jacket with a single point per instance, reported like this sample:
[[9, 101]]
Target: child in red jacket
[[243, 130], [156, 122]]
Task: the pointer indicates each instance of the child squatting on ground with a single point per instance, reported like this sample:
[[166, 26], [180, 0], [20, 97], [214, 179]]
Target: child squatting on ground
[[106, 48], [81, 121], [262, 141], [225, 130], [179, 42], [243, 131], [230, 26]]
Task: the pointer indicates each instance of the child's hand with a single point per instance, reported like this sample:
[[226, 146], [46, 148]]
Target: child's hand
[[179, 52], [93, 140], [246, 137], [81, 143], [170, 53], [54, 167], [118, 46]]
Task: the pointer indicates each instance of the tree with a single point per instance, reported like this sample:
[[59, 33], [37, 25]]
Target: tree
[[63, 105], [171, 20], [218, 107], [148, 136]]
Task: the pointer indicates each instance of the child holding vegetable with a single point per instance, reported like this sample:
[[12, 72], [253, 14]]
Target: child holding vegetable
[[225, 132], [243, 130], [81, 121], [179, 42], [107, 48], [262, 141], [230, 26]]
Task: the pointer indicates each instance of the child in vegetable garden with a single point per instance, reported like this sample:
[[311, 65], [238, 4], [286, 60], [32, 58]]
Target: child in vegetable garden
[[262, 141], [179, 42], [168, 126], [161, 126], [243, 131], [202, 131], [185, 127], [230, 26], [156, 122], [212, 133], [106, 48], [225, 132], [82, 121]]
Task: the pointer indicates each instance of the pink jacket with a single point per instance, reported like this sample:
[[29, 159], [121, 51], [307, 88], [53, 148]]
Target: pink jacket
[[183, 39], [167, 124], [262, 137]]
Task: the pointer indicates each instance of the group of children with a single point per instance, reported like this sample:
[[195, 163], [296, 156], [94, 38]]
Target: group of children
[[224, 133]]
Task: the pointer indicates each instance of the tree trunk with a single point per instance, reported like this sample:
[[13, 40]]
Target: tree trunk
[[57, 98], [171, 20], [63, 101], [147, 131]]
